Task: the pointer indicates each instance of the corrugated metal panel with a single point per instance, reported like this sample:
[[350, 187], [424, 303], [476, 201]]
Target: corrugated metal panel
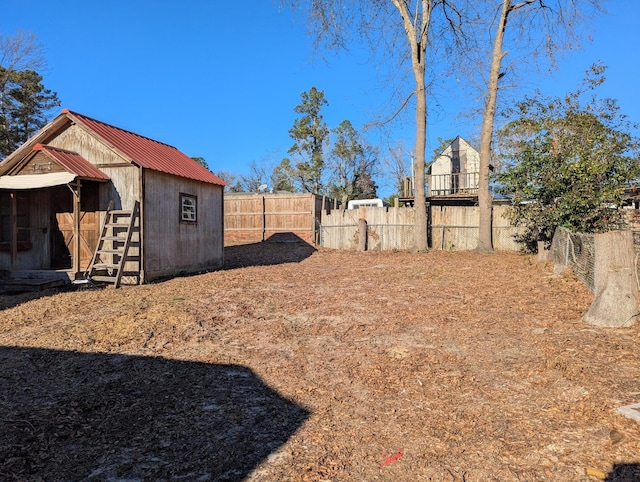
[[146, 152], [73, 162]]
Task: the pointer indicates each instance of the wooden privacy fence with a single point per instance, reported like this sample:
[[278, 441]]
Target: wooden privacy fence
[[387, 228], [449, 227], [252, 218], [457, 228]]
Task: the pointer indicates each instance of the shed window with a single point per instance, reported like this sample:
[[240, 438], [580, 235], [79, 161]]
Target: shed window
[[188, 208]]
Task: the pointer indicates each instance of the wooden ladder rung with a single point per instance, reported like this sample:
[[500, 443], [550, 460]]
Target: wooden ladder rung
[[111, 251], [114, 220], [105, 266], [104, 279]]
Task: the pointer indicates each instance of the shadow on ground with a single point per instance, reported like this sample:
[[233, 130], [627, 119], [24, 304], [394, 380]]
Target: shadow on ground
[[79, 416], [624, 473], [278, 249], [11, 299]]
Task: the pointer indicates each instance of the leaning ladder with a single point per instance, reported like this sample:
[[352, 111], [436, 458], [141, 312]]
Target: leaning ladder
[[110, 255]]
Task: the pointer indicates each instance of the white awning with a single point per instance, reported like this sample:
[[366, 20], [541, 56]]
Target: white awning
[[35, 181]]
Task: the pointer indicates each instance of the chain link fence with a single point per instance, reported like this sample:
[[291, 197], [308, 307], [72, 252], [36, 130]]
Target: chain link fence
[[576, 250]]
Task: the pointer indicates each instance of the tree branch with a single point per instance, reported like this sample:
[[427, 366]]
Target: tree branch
[[395, 114]]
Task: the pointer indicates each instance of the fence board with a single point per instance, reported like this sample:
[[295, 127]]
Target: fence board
[[388, 228]]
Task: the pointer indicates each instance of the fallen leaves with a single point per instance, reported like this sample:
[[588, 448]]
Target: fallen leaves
[[477, 367]]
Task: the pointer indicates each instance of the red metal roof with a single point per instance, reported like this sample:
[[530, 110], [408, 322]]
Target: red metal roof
[[147, 153], [73, 162]]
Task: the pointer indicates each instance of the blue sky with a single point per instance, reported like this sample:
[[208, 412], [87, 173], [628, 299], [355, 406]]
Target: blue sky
[[220, 79]]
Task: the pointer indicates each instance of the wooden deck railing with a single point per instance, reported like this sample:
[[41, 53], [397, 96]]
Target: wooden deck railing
[[455, 184]]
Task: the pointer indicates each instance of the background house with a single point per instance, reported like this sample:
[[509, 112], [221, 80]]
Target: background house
[[55, 190], [455, 172]]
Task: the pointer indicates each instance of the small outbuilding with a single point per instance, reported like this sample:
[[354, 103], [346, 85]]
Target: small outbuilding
[[59, 189], [455, 172]]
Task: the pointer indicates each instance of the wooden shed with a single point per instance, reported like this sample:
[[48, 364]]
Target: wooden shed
[[59, 189]]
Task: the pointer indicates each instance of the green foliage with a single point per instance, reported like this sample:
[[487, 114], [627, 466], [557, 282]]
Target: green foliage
[[310, 134], [283, 176], [202, 161], [24, 105], [568, 161], [351, 163]]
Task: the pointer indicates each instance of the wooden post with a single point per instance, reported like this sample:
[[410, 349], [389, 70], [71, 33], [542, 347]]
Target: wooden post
[[616, 289], [264, 218], [141, 260], [14, 230], [362, 234], [76, 227], [314, 237]]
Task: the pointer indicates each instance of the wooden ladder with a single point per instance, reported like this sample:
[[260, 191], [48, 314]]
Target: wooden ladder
[[111, 252]]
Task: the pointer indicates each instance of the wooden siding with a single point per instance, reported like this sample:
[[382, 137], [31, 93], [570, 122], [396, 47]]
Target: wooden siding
[[123, 190], [84, 143], [36, 204], [40, 164], [50, 229], [252, 218], [173, 247], [125, 177]]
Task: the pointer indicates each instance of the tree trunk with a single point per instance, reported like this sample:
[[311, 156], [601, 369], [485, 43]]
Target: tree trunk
[[616, 289], [418, 41], [420, 203], [484, 196], [543, 254]]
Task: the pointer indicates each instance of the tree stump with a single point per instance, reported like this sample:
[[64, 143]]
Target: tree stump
[[616, 289], [543, 253]]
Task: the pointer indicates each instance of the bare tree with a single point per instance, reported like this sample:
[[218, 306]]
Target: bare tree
[[231, 179], [18, 52], [385, 25], [21, 51], [397, 166], [257, 180], [548, 25]]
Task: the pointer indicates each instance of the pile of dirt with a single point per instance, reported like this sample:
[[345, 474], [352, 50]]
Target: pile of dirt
[[301, 364]]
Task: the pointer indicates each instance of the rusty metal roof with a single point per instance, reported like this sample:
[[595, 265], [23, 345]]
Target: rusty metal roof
[[145, 152], [73, 162]]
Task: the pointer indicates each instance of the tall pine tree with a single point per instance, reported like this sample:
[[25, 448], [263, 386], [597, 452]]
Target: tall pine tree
[[310, 134], [24, 105]]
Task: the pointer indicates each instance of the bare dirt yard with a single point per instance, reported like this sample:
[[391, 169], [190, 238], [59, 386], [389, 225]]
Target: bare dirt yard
[[293, 364]]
